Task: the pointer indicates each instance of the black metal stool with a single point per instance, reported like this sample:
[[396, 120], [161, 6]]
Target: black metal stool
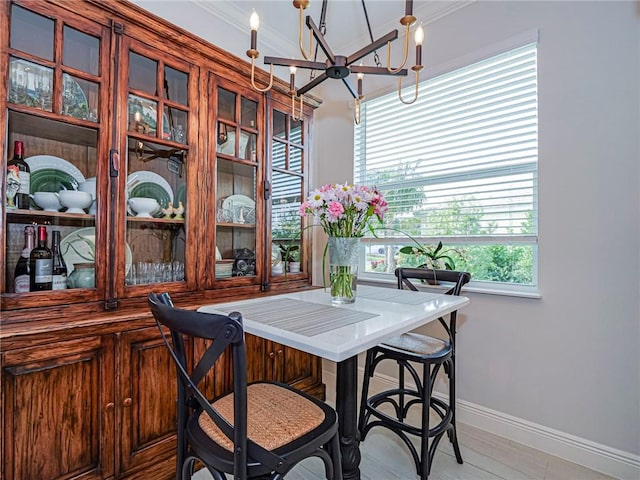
[[431, 353]]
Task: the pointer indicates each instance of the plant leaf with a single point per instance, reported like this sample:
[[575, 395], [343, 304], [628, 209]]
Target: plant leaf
[[448, 262]]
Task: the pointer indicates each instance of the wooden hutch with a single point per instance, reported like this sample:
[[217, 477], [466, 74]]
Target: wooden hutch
[[101, 89]]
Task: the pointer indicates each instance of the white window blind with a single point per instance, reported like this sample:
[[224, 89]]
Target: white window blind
[[461, 163]]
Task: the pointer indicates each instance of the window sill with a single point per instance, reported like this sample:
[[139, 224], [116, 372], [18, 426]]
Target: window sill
[[479, 287]]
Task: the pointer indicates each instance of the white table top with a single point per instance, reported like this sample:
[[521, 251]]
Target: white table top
[[309, 322]]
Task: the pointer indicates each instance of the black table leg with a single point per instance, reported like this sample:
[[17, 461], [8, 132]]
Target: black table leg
[[347, 408]]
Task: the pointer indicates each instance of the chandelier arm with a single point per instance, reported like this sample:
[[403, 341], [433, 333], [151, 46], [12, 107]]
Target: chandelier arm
[[313, 83], [291, 62], [321, 40], [406, 102], [406, 52], [350, 87], [253, 83], [295, 117], [306, 55], [357, 110], [363, 52], [375, 70]]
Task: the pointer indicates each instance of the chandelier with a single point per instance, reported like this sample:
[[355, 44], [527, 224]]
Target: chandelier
[[338, 66]]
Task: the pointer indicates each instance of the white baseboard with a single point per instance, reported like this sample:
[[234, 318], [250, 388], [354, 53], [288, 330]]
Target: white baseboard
[[608, 460]]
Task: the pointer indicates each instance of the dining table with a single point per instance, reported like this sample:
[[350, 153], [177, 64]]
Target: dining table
[[308, 321]]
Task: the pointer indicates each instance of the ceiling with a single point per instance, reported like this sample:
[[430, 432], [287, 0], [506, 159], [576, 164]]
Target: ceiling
[[226, 23]]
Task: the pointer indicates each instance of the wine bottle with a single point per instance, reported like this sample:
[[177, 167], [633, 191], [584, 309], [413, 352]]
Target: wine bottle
[[21, 281], [59, 270], [18, 179], [41, 263]]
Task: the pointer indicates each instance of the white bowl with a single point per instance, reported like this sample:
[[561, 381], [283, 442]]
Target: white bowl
[[89, 186], [48, 201], [74, 200], [143, 207]]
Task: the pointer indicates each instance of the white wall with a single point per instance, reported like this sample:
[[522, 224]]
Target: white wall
[[570, 360]]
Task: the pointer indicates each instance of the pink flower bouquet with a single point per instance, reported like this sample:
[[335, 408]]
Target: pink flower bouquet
[[344, 210]]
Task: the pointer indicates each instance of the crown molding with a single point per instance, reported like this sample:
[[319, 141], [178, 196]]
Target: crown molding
[[274, 42], [271, 39]]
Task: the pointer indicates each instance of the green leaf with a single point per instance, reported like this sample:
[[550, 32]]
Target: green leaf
[[448, 262]]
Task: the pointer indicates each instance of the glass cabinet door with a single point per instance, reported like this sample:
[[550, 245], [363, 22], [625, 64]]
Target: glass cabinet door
[[55, 100], [236, 188], [68, 85], [158, 164], [287, 194]]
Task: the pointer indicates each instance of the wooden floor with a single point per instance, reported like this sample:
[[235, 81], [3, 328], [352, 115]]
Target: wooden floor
[[486, 457]]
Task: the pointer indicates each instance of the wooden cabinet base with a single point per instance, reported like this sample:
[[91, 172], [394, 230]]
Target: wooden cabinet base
[[55, 409], [319, 392], [99, 401], [162, 469]]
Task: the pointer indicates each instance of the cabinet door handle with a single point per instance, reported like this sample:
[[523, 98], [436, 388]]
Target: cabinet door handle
[[109, 407], [127, 402], [280, 352], [271, 354]]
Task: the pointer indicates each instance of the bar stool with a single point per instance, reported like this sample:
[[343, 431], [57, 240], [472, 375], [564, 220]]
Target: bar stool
[[431, 353]]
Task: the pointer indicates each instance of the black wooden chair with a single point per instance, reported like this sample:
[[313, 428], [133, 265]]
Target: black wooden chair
[[259, 430], [431, 353]]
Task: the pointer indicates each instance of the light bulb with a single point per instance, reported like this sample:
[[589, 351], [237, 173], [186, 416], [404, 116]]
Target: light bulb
[[292, 70], [254, 21], [419, 35]]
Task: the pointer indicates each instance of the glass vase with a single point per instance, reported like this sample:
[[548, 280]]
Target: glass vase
[[343, 268]]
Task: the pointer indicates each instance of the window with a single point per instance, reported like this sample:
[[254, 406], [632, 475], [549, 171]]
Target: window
[[458, 166]]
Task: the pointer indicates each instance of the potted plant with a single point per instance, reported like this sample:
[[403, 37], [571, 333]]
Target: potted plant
[[437, 257], [291, 257]]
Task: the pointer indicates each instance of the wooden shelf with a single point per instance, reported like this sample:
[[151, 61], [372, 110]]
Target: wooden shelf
[[236, 225], [40, 216], [169, 221]]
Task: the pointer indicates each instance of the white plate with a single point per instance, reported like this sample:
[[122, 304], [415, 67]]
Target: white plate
[[238, 201], [79, 247], [144, 176], [240, 208], [39, 162]]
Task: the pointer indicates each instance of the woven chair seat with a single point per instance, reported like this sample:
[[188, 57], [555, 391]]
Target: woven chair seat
[[416, 343], [275, 416]]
